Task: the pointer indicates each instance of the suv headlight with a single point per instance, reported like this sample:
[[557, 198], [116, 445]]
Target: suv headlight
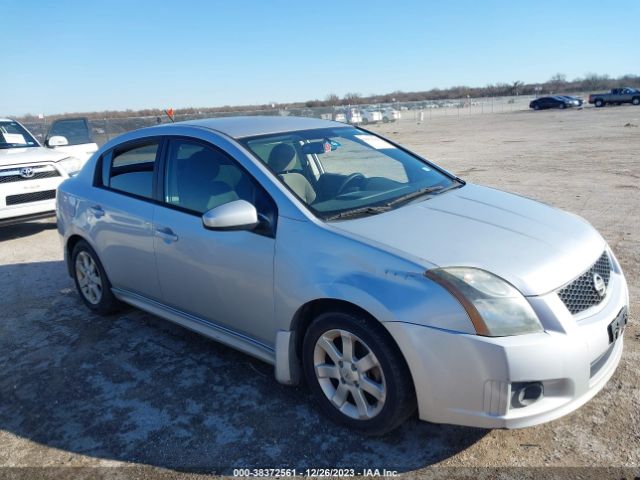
[[495, 307], [71, 165]]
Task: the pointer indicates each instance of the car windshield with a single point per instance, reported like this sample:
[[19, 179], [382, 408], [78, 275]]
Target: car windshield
[[346, 172], [14, 135]]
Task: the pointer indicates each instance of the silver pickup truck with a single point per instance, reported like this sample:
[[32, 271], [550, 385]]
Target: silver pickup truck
[[616, 97]]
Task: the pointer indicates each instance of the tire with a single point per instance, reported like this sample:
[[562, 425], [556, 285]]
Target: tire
[[599, 103], [385, 119], [365, 121], [635, 100], [562, 106], [386, 374], [91, 280], [536, 107]]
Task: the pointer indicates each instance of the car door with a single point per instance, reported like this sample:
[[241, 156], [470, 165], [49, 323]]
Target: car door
[[77, 131], [224, 278], [120, 214]]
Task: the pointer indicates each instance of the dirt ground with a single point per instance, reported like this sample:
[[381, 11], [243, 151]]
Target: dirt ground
[[145, 397]]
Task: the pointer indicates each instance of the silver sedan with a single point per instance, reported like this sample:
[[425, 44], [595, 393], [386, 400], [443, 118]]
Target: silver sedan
[[340, 257]]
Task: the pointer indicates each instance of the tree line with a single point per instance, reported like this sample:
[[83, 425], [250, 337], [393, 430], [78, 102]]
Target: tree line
[[557, 84]]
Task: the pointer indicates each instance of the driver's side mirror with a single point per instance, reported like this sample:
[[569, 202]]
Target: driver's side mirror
[[236, 215], [57, 141]]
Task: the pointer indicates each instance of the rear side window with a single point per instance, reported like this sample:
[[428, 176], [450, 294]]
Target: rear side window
[[132, 170], [76, 131]]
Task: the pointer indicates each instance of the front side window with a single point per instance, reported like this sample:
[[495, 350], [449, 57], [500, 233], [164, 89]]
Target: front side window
[[76, 131], [338, 171], [199, 178], [14, 135], [132, 170]]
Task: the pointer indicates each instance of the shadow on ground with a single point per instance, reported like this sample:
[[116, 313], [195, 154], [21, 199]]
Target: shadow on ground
[[26, 229], [135, 388]]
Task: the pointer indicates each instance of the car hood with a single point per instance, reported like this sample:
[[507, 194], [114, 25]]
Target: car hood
[[534, 246], [17, 156]]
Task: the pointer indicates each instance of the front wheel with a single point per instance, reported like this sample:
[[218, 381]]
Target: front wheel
[[636, 101], [91, 280], [562, 106], [357, 374]]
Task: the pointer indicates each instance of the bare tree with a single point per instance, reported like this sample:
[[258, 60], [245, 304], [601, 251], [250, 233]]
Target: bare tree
[[516, 87], [556, 83]]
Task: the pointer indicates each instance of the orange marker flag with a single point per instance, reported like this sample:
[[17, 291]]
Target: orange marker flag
[[169, 112]]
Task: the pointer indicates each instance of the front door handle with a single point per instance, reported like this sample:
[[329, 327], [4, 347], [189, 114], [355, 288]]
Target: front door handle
[[97, 211], [166, 234]]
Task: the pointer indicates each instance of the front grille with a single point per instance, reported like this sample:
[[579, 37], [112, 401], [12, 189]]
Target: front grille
[[31, 197], [9, 175], [581, 293]]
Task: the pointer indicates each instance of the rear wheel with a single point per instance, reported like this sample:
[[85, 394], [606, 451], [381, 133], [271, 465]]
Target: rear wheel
[[356, 373], [599, 103], [91, 280], [385, 119]]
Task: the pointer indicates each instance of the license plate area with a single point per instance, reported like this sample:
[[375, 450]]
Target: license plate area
[[616, 328]]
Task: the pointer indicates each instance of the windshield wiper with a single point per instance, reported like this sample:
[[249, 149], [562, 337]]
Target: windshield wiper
[[416, 194], [358, 212]]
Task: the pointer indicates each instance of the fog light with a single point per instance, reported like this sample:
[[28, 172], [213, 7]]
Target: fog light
[[525, 394]]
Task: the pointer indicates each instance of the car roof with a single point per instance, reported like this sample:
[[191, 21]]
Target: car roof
[[6, 120], [249, 126]]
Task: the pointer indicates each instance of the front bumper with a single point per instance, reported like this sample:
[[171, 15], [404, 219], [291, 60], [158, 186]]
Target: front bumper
[[469, 380]]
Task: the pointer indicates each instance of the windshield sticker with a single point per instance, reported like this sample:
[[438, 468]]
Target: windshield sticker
[[375, 142], [14, 138]]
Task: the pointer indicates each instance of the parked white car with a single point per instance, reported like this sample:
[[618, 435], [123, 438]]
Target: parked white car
[[30, 174], [371, 116], [354, 116], [72, 136], [390, 115]]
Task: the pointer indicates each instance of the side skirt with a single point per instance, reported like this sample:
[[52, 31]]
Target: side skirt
[[211, 330]]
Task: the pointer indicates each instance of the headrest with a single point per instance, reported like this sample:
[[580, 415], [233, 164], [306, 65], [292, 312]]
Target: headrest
[[282, 157]]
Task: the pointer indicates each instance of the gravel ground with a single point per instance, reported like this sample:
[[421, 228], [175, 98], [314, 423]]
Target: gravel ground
[[152, 400]]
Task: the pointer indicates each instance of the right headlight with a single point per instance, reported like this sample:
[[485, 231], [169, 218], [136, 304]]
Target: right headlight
[[494, 306], [71, 165]]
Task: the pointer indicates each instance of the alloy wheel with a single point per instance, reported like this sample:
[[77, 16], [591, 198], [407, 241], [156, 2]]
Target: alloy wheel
[[349, 374], [88, 276]]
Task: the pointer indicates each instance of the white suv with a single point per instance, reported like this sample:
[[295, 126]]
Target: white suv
[[29, 174]]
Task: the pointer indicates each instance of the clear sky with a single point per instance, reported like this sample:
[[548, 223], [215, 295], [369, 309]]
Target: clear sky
[[85, 55]]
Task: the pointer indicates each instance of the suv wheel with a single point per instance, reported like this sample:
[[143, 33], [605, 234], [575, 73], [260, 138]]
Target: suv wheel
[[91, 280], [357, 374]]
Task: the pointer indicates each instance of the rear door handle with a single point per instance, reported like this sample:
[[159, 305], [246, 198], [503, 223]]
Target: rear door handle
[[96, 211], [166, 234]]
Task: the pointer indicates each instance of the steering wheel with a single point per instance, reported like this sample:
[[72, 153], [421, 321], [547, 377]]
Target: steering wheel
[[350, 179]]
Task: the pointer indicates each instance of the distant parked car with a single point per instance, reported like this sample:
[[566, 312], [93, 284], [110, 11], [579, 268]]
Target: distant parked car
[[390, 115], [72, 136], [29, 174], [577, 101], [340, 117], [616, 97], [371, 116], [353, 116], [550, 102]]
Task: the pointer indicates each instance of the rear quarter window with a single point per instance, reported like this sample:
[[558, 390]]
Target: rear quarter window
[[132, 170]]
